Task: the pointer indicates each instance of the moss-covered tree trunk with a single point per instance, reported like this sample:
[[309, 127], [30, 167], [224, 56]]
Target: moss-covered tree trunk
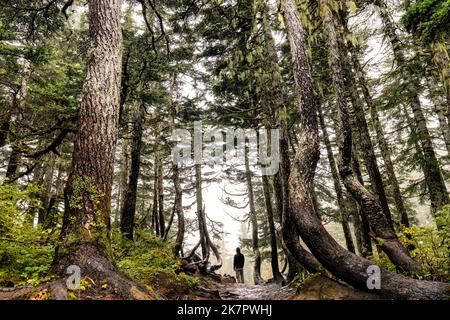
[[85, 235]]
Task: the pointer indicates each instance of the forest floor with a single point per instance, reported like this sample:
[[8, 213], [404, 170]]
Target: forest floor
[[317, 287]]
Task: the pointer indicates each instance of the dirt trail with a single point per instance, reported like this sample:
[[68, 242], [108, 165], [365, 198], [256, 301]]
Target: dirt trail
[[242, 291]]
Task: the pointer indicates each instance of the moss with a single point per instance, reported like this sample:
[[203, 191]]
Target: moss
[[85, 195]]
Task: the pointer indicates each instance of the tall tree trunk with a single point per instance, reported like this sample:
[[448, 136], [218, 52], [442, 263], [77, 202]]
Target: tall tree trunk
[[379, 223], [155, 211], [440, 110], [49, 169], [162, 223], [273, 235], [343, 212], [178, 199], [178, 208], [254, 222], [123, 179], [364, 226], [205, 240], [364, 142], [13, 164], [85, 234], [202, 228], [345, 265], [430, 166], [128, 212], [56, 195], [382, 143]]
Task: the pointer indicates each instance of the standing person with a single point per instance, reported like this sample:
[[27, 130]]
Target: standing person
[[238, 265]]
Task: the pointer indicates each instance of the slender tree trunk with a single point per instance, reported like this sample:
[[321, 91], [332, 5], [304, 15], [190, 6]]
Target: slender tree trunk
[[178, 208], [430, 166], [254, 222], [345, 265], [13, 164], [123, 179], [361, 130], [365, 227], [202, 228], [382, 144], [49, 169], [56, 196], [155, 214], [85, 235], [440, 110], [161, 218], [128, 212]]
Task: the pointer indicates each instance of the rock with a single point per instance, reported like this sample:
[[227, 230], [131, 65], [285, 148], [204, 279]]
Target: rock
[[226, 278], [323, 288], [189, 267]]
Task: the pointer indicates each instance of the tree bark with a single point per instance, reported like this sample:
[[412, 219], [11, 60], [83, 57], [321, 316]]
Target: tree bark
[[345, 265]]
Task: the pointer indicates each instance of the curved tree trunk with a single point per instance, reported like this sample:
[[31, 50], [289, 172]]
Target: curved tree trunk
[[379, 223], [380, 135], [344, 213], [290, 237], [340, 262]]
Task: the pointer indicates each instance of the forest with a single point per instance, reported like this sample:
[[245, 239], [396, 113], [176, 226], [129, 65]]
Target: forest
[[143, 141]]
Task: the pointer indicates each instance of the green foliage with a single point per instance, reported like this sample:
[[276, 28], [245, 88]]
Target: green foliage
[[25, 253], [300, 279], [148, 258], [430, 248], [430, 19]]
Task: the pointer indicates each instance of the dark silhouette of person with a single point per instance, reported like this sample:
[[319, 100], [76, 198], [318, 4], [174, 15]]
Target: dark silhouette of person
[[238, 265]]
